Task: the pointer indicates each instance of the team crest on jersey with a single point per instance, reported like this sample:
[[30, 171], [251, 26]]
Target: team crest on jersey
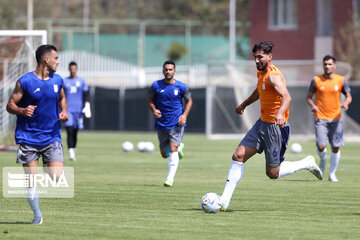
[[263, 86], [77, 83], [176, 92], [336, 87], [56, 89]]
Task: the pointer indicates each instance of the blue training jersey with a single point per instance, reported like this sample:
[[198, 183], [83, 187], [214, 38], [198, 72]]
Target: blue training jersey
[[168, 99], [74, 89], [43, 127]]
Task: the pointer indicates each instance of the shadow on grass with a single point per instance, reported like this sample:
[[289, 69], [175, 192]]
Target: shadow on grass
[[300, 180], [200, 210], [15, 223]]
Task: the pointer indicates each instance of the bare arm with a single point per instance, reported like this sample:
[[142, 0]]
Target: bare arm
[[156, 112], [311, 103], [183, 117], [15, 98], [277, 82], [251, 99], [348, 100], [63, 116]]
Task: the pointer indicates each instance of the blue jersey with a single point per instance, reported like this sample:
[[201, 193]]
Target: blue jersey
[[168, 99], [43, 127], [74, 89]]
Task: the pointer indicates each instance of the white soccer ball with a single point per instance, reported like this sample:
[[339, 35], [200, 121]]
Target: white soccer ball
[[141, 146], [211, 203], [127, 146], [149, 147], [296, 148]]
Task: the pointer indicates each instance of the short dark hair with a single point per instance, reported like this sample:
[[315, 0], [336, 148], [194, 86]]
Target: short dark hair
[[72, 63], [42, 50], [265, 46], [169, 62], [328, 57]]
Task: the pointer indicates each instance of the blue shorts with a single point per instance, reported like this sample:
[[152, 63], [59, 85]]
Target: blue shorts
[[75, 120], [174, 135], [52, 152], [270, 138], [329, 130]]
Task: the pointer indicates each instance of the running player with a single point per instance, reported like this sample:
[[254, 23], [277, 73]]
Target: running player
[[165, 101], [77, 96], [327, 89], [271, 132], [39, 102]]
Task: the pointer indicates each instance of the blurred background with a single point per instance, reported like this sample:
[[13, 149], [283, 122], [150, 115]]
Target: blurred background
[[120, 46]]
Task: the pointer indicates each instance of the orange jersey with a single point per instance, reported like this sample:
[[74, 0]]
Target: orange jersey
[[327, 96], [270, 100]]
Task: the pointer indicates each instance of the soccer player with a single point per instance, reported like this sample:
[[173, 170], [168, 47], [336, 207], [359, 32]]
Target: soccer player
[[327, 89], [77, 96], [271, 132], [39, 102], [166, 102]]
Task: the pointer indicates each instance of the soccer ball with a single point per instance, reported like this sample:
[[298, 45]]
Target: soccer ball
[[149, 147], [127, 146], [211, 203], [141, 146], [296, 148]]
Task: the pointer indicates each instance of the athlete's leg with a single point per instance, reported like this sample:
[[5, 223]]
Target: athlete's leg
[[321, 133], [71, 141], [334, 163], [240, 156], [32, 192], [336, 140]]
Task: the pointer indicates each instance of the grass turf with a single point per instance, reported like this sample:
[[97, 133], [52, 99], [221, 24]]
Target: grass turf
[[120, 195]]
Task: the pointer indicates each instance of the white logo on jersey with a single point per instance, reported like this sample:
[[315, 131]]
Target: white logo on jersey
[[263, 85], [336, 87], [322, 87], [176, 92], [162, 90], [73, 89], [77, 83], [37, 90], [56, 89]]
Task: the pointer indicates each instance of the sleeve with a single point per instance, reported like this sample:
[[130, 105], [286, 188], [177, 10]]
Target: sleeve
[[187, 94], [151, 92], [346, 88], [85, 86], [312, 87]]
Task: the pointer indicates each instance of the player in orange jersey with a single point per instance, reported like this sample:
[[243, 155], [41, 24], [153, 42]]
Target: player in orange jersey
[[271, 132], [327, 89]]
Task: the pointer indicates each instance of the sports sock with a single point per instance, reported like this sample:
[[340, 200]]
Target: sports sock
[[287, 168], [173, 165], [32, 196], [233, 178], [334, 162], [322, 156]]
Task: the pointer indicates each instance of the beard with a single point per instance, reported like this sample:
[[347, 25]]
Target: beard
[[261, 67]]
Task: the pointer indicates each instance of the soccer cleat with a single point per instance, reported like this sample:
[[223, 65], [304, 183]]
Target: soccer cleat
[[37, 220], [168, 183], [314, 169], [72, 154], [224, 205], [333, 178], [180, 151]]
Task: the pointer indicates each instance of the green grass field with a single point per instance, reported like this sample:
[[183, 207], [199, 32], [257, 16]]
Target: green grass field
[[120, 195]]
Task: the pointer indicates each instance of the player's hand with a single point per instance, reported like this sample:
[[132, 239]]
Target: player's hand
[[63, 116], [29, 110], [345, 106], [279, 120], [86, 110], [182, 120], [240, 109], [314, 109], [157, 113]]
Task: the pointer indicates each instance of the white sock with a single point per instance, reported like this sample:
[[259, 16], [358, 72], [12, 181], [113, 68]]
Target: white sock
[[322, 156], [32, 196], [287, 168], [173, 165], [233, 178], [72, 153], [334, 162]]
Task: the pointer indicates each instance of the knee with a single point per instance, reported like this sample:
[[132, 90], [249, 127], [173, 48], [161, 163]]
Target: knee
[[321, 148], [272, 175], [237, 156], [164, 155]]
